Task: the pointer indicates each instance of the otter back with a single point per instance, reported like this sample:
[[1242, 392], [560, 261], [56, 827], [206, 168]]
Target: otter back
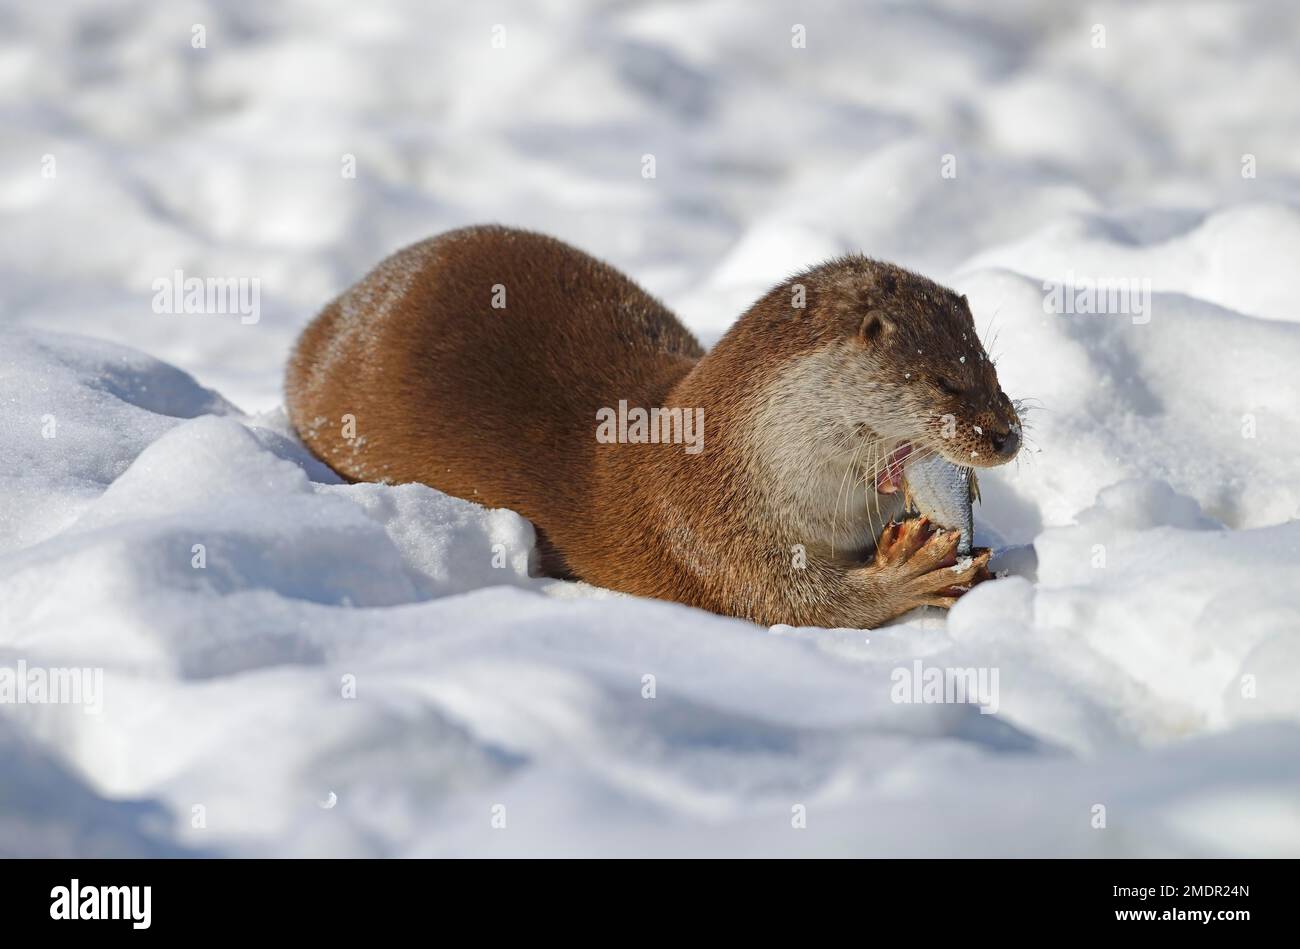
[[476, 362]]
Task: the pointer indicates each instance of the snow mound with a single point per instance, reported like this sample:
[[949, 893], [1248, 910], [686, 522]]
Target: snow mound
[[272, 640], [75, 418]]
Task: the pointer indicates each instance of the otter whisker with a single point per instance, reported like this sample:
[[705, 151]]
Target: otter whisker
[[869, 483], [835, 510]]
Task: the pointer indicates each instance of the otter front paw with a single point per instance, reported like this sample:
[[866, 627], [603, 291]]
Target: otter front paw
[[921, 566]]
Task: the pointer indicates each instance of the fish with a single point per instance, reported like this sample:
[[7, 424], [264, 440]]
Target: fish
[[942, 492]]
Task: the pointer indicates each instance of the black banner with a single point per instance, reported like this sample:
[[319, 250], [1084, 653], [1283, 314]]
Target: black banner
[[337, 898]]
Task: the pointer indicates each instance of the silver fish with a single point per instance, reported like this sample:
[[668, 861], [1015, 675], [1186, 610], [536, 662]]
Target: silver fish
[[943, 492]]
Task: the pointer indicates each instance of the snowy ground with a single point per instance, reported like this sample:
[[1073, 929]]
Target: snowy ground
[[1147, 648]]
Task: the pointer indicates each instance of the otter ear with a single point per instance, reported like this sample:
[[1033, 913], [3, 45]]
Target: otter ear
[[874, 326]]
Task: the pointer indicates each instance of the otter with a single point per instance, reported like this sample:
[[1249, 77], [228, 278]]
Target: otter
[[510, 369]]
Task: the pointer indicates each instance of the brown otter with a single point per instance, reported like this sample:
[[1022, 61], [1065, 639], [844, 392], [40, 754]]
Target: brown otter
[[510, 369]]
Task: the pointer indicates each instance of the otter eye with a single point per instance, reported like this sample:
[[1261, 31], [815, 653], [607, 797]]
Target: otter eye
[[947, 386]]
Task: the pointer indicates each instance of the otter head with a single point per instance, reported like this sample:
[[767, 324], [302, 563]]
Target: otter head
[[902, 366]]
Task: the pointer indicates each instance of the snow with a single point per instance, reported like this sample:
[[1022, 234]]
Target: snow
[[273, 639]]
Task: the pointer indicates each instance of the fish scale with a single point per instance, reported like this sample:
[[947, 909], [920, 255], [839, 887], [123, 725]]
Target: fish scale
[[942, 492]]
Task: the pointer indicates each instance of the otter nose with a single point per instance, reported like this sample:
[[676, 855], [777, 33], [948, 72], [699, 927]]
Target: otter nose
[[1006, 443]]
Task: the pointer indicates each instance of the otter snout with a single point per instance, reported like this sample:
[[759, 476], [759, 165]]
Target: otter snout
[[1006, 443], [985, 439]]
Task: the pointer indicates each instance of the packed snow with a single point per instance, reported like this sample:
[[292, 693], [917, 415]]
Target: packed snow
[[291, 665]]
